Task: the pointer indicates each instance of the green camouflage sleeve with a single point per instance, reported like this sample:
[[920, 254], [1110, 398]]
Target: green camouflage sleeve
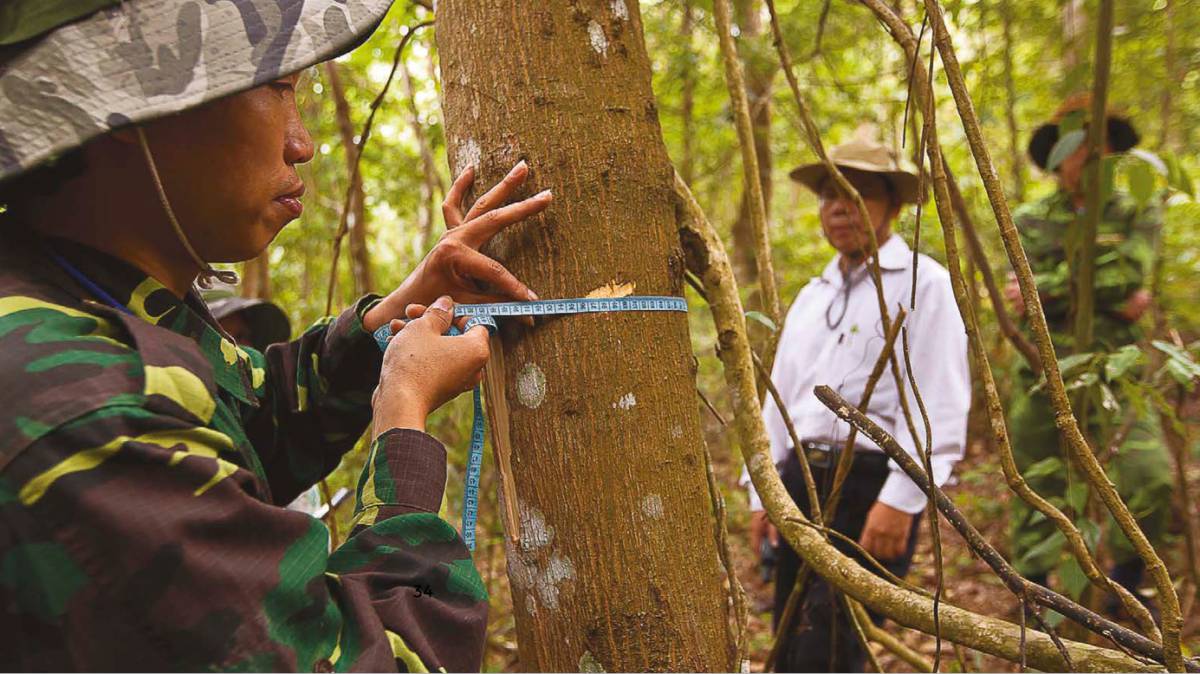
[[315, 400], [126, 540]]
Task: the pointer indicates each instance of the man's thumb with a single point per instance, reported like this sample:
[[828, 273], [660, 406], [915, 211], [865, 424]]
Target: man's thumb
[[439, 315]]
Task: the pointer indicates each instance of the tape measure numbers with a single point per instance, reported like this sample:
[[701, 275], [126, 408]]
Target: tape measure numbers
[[485, 314]]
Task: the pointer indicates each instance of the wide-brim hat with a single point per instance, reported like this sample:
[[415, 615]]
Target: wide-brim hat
[[1120, 133], [131, 61], [865, 155]]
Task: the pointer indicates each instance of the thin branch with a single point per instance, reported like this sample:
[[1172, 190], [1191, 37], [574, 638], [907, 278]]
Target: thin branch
[[354, 174], [889, 640], [736, 82], [738, 594]]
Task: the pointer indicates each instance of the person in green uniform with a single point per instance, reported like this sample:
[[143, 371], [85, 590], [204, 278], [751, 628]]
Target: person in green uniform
[[145, 456], [1139, 465]]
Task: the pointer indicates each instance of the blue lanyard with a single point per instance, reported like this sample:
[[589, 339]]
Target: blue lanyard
[[483, 314], [88, 283]]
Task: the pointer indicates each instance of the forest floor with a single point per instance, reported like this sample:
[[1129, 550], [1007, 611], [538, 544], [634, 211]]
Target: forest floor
[[978, 490]]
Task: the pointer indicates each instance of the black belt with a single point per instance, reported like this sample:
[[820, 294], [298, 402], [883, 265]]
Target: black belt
[[824, 455]]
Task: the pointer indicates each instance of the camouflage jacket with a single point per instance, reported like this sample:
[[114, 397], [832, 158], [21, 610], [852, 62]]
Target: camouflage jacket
[[1124, 258], [144, 460]]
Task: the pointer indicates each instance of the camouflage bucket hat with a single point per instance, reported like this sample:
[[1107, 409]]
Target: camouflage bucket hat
[[70, 72]]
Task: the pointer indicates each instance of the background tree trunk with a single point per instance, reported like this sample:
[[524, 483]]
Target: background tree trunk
[[431, 181], [687, 164], [616, 564], [256, 276], [360, 256]]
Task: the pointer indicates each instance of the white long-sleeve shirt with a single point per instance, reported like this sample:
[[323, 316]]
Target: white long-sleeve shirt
[[811, 353]]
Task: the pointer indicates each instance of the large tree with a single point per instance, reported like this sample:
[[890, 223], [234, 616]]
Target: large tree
[[616, 562]]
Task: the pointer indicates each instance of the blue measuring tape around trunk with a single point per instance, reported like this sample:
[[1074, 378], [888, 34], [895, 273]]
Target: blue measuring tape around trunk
[[484, 314]]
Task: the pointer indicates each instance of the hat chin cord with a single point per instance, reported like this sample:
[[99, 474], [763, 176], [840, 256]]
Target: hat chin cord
[[208, 274]]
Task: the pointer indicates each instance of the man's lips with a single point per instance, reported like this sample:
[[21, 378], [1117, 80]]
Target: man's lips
[[291, 201]]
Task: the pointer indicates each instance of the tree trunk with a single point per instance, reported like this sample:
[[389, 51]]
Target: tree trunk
[[615, 564], [360, 255], [1015, 157], [256, 276], [1166, 112], [760, 73]]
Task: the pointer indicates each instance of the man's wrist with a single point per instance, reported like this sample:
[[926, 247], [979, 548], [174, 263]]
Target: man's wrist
[[399, 411]]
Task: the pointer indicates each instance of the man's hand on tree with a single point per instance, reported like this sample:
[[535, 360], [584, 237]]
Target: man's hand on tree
[[1136, 305], [454, 266], [423, 368], [885, 534]]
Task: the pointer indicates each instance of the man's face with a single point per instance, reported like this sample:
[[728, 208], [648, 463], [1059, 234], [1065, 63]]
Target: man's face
[[840, 220], [1070, 171], [229, 168]]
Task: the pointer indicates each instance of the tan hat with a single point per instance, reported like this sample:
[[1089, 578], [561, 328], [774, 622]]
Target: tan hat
[[864, 155]]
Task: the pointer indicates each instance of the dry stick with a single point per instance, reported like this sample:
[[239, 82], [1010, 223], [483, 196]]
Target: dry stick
[[903, 35], [362, 144], [889, 640], [1007, 327], [740, 612], [1172, 621], [736, 82], [706, 256], [1024, 589]]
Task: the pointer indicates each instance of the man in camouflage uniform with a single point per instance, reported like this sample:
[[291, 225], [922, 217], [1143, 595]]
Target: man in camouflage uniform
[[144, 456], [1140, 466]]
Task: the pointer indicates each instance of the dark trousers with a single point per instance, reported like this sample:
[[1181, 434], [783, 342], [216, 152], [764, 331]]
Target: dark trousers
[[821, 638]]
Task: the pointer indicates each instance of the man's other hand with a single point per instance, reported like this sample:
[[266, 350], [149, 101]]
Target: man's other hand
[[761, 528], [1136, 305], [885, 535], [454, 266]]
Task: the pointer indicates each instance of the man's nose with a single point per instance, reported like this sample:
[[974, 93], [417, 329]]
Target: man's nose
[[298, 147]]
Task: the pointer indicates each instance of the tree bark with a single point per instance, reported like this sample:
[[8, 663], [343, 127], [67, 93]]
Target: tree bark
[[615, 563], [360, 255], [1015, 156]]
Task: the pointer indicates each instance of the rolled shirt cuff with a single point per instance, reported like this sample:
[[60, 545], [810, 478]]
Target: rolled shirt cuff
[[415, 464]]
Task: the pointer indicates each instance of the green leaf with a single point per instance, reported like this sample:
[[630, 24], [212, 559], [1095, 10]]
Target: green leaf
[[1141, 181], [1090, 532], [1180, 364], [1121, 361], [762, 318], [1107, 400], [1076, 361], [1046, 467], [1108, 177], [1177, 176], [1071, 578], [1067, 144], [1047, 550], [1150, 159], [1077, 496]]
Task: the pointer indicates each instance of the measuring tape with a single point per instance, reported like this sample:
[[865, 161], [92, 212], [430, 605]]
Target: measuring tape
[[484, 314]]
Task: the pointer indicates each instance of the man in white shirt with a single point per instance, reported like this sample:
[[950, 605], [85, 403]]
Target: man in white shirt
[[833, 336]]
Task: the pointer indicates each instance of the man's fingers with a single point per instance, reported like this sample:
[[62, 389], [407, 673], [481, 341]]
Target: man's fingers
[[500, 193], [414, 311], [452, 206], [481, 230], [491, 274], [438, 316]]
